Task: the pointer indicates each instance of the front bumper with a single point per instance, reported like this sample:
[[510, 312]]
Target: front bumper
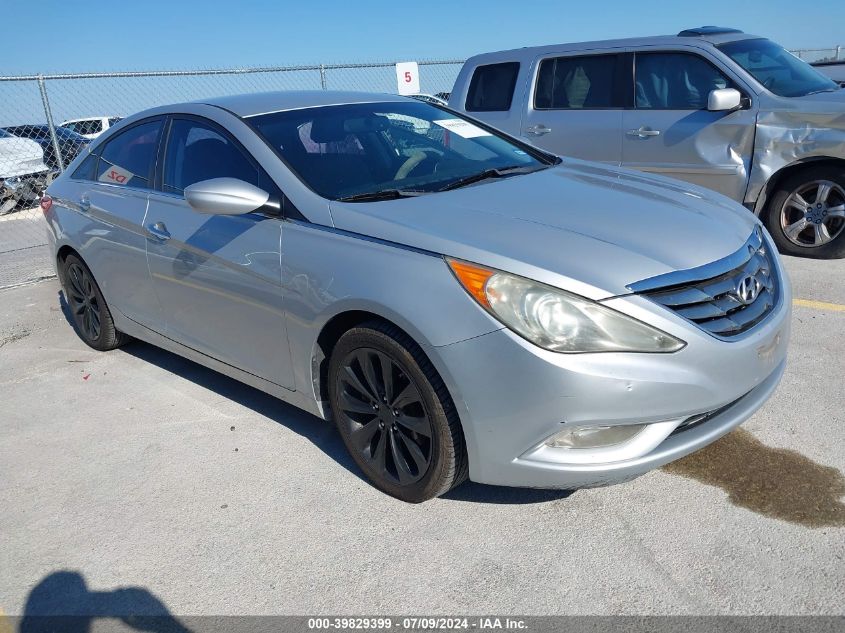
[[25, 188], [512, 396]]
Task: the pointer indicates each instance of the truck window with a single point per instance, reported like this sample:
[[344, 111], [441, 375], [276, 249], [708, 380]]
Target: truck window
[[583, 83], [675, 81], [491, 88]]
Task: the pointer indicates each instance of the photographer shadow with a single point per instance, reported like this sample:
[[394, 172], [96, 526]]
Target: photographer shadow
[[62, 602]]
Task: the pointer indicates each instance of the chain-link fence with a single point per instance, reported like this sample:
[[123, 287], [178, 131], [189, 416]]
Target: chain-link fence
[[815, 55], [45, 121]]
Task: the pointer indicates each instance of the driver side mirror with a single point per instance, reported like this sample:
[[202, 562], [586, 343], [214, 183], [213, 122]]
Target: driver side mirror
[[724, 100], [228, 196]]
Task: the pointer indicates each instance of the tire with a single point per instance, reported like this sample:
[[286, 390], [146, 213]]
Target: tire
[[815, 228], [404, 433], [89, 311]]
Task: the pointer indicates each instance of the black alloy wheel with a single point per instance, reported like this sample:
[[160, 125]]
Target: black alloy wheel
[[89, 312], [385, 416], [394, 413]]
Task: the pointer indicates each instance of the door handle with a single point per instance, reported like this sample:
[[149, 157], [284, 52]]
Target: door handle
[[159, 231], [538, 130], [643, 132], [84, 203]]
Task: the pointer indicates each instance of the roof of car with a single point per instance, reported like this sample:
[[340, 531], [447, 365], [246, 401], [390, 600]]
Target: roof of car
[[261, 103], [719, 37]]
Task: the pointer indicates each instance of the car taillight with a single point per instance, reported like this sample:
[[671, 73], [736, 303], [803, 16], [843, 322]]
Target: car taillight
[[46, 202]]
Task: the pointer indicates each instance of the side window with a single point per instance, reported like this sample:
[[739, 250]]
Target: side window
[[491, 87], [87, 168], [128, 158], [675, 81], [196, 152], [577, 83]]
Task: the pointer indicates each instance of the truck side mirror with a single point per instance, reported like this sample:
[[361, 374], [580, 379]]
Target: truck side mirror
[[724, 100]]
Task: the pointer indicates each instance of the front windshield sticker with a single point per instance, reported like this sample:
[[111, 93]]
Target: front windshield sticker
[[117, 175], [462, 128]]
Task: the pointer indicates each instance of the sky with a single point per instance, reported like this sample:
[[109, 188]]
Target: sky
[[43, 36]]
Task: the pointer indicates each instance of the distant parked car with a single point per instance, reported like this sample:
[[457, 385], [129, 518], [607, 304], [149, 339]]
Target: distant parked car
[[834, 70], [91, 127], [23, 174], [70, 143], [716, 107]]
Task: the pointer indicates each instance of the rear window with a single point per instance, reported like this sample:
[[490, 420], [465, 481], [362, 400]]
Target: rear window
[[577, 83], [491, 88]]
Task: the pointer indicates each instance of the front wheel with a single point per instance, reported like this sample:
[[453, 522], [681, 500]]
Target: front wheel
[[806, 214], [394, 414]]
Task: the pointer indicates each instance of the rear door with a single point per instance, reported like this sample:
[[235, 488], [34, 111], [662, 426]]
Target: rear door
[[218, 277], [669, 130], [574, 105], [110, 190], [490, 96]]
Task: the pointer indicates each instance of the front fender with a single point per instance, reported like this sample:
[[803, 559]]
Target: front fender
[[326, 273]]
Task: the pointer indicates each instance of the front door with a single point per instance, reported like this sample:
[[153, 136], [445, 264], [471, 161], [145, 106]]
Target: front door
[[669, 130], [218, 277]]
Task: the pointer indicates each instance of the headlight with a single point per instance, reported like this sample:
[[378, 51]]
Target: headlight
[[557, 320]]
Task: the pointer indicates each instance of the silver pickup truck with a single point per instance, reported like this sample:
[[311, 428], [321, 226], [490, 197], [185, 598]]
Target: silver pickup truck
[[716, 107]]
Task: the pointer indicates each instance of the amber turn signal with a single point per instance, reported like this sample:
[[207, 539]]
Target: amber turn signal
[[473, 278]]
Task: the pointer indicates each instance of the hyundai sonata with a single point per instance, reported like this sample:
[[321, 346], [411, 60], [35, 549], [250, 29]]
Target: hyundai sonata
[[459, 303]]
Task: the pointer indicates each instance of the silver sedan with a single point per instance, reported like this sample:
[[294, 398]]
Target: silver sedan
[[459, 303]]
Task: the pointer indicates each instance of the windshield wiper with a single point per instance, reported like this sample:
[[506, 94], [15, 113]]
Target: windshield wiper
[[500, 172], [384, 194], [815, 92]]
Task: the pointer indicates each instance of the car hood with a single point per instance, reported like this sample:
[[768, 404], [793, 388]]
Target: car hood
[[580, 226], [830, 106]]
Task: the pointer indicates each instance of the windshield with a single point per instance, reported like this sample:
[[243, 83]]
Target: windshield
[[777, 69], [395, 147]]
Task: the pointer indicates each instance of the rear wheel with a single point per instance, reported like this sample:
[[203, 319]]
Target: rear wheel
[[91, 317], [806, 214], [394, 414]]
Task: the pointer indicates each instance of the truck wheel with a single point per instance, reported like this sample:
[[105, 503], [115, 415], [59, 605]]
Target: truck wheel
[[806, 213]]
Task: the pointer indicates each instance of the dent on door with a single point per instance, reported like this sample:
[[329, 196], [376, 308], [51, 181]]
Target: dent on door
[[711, 149]]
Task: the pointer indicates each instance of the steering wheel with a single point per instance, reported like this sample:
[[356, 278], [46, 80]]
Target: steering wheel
[[768, 83], [412, 161]]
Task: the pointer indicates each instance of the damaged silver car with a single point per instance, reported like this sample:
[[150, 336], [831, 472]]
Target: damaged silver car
[[716, 107]]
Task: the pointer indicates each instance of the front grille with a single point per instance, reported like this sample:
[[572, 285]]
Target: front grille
[[723, 304]]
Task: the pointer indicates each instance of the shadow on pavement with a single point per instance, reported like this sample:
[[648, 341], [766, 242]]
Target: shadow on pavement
[[323, 435], [62, 602], [312, 428], [503, 495]]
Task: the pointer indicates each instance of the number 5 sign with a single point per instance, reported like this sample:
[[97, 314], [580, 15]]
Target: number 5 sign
[[408, 78]]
